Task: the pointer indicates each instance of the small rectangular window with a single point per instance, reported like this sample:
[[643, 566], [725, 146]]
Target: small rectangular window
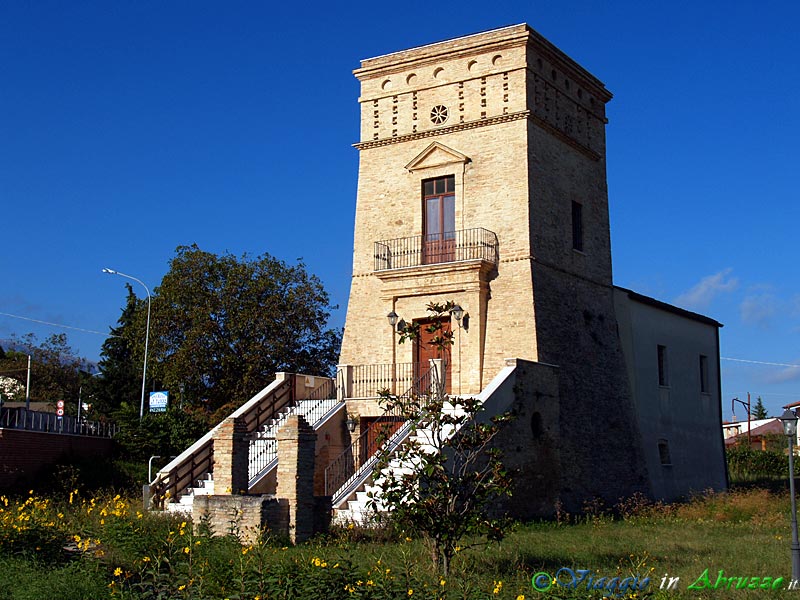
[[577, 226], [663, 452], [703, 374], [663, 376]]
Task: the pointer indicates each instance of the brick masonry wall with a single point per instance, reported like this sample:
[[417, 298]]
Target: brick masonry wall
[[231, 449], [600, 441], [531, 441], [24, 454], [531, 123], [243, 516], [296, 442]]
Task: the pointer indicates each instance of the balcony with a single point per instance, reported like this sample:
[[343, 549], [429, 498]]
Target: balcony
[[454, 246]]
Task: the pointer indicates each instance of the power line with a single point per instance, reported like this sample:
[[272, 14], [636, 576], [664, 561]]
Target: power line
[[759, 362], [59, 325]]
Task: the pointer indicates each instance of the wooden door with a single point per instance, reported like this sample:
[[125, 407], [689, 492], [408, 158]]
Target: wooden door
[[378, 431], [439, 237], [425, 349]]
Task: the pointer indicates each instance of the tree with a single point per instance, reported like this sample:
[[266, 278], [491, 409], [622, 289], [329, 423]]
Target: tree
[[759, 411], [444, 480], [222, 326], [56, 371], [120, 376]]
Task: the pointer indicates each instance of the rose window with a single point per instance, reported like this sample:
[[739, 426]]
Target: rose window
[[438, 114]]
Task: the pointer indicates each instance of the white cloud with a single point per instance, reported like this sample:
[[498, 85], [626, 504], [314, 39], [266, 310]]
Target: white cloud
[[701, 295], [784, 375], [759, 309], [795, 303]]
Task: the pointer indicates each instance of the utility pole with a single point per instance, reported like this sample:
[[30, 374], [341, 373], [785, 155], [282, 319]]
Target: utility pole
[[28, 390], [747, 405]]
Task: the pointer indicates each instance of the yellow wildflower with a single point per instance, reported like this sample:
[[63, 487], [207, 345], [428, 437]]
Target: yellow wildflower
[[410, 592], [442, 582], [117, 572], [498, 585], [521, 597], [187, 550]]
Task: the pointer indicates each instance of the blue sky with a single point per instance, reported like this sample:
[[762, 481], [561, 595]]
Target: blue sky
[[129, 128]]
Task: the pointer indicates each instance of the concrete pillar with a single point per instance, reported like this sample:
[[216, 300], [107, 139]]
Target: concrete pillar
[[296, 443], [231, 450]]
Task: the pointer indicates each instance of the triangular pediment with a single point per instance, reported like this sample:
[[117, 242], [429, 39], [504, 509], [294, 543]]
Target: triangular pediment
[[436, 155]]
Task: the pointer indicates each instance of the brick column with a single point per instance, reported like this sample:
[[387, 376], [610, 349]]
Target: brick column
[[296, 443], [231, 449]]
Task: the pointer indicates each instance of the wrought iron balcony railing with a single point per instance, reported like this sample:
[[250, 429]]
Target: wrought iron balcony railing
[[451, 246]]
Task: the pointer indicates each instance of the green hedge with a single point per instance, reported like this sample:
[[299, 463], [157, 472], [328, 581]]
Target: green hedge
[[746, 465]]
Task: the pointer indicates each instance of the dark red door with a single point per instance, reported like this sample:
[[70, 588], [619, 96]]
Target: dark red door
[[425, 348]]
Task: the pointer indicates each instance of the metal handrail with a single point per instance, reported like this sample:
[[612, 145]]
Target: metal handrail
[[263, 445], [347, 467], [199, 459], [451, 246], [47, 422], [366, 380]]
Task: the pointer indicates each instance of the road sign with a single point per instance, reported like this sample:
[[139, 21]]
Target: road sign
[[158, 401]]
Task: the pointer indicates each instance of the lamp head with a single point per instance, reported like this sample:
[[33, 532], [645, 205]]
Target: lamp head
[[789, 420], [457, 312], [392, 316]]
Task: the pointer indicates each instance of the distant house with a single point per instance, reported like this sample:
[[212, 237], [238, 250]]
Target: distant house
[[756, 430]]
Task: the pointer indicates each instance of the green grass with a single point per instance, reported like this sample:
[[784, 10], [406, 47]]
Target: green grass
[[116, 551]]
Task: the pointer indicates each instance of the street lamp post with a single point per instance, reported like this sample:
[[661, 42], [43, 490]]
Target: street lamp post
[[789, 420], [146, 335]]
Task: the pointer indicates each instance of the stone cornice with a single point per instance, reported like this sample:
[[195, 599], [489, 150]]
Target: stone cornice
[[425, 280], [443, 130], [525, 114], [514, 35]]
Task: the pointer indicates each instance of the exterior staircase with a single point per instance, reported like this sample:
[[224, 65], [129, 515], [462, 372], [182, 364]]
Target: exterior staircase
[[349, 477], [357, 500], [191, 473]]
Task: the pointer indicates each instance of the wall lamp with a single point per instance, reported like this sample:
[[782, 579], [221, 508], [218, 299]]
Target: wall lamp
[[461, 316]]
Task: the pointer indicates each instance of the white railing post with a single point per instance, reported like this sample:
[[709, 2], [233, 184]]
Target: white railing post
[[437, 377]]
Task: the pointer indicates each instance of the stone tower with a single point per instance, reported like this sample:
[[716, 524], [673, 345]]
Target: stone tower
[[482, 180]]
